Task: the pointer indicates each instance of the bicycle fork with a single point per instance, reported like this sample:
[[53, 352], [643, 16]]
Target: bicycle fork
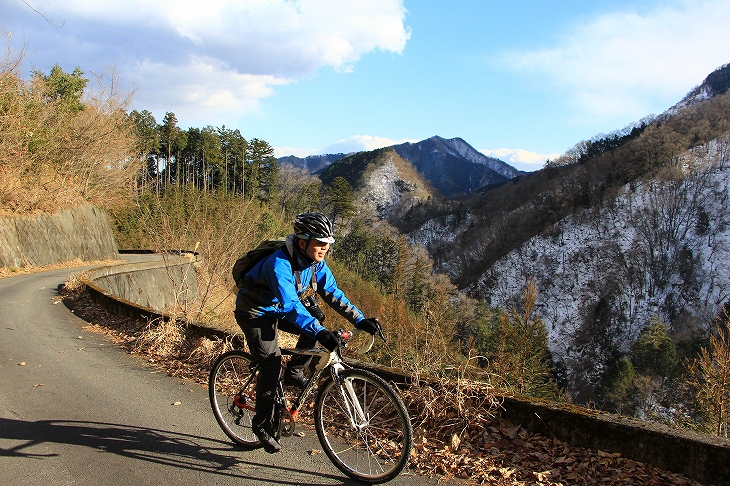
[[357, 416]]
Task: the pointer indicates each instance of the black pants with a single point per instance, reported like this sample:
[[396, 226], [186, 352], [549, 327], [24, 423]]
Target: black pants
[[262, 337]]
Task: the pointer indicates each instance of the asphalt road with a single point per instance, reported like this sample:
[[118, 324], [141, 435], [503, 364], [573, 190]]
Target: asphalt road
[[77, 409]]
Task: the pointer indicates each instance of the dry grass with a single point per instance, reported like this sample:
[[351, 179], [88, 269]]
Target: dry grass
[[162, 339], [206, 351]]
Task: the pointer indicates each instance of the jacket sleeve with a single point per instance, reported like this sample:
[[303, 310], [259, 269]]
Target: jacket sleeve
[[280, 278], [334, 297]]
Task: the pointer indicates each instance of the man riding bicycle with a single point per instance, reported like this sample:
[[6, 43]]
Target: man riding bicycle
[[280, 294]]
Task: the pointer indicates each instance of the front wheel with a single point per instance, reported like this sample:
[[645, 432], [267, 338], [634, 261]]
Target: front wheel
[[232, 392], [363, 426]]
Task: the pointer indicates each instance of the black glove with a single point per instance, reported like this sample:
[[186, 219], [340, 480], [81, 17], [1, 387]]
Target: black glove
[[328, 340], [370, 325]]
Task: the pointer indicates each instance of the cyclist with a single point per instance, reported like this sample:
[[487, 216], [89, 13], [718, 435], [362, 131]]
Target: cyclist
[[275, 298]]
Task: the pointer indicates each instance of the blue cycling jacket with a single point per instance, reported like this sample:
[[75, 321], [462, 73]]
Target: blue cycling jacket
[[272, 292]]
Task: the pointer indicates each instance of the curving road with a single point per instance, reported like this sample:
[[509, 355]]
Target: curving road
[[76, 409]]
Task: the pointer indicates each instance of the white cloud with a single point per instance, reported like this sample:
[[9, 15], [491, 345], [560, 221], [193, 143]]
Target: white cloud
[[623, 63], [200, 89], [519, 158], [224, 54], [355, 143], [276, 37]]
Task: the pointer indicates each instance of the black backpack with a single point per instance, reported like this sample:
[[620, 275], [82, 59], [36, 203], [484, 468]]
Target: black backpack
[[249, 259]]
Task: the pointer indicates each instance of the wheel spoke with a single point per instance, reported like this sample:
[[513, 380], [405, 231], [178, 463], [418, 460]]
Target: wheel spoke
[[376, 448], [232, 396]]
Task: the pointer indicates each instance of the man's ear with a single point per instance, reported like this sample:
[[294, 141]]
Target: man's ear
[[302, 244]]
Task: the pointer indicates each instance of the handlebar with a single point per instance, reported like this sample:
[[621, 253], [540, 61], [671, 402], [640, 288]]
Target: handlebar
[[366, 346], [345, 336]]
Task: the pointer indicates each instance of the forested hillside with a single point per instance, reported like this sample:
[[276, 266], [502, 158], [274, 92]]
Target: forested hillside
[[62, 143], [625, 239]]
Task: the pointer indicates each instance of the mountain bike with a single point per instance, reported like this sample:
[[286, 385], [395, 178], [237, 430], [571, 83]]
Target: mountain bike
[[361, 422]]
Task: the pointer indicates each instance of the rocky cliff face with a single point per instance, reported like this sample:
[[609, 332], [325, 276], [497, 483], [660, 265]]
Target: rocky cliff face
[[660, 248], [393, 186]]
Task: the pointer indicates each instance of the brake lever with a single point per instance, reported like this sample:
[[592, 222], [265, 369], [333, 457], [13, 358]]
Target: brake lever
[[380, 329]]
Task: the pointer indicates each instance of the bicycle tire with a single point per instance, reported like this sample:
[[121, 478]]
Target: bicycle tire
[[232, 392], [376, 450]]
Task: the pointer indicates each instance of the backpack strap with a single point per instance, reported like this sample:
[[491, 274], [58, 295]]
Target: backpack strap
[[313, 282], [298, 277], [289, 250]]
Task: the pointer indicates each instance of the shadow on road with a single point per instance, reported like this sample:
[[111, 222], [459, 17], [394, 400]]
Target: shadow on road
[[156, 446]]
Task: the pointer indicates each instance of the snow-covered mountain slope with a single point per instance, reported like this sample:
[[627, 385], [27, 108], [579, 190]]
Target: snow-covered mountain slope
[[392, 186], [661, 247]]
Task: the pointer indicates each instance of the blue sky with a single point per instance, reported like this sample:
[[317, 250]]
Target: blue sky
[[519, 80]]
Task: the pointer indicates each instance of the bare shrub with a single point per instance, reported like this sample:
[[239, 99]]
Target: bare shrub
[[161, 338], [206, 351], [52, 157], [451, 407], [75, 283]]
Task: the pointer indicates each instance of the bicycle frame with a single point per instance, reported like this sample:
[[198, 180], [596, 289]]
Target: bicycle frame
[[332, 361]]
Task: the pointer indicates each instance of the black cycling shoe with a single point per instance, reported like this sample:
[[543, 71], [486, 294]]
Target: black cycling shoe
[[299, 381], [267, 440]]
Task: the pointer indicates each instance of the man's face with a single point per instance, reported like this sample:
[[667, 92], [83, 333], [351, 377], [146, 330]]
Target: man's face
[[316, 250]]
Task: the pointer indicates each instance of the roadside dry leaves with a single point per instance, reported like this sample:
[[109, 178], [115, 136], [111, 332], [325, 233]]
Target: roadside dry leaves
[[455, 436], [502, 453]]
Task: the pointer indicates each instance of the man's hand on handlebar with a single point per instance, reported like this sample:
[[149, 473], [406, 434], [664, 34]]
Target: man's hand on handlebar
[[372, 326], [328, 340]]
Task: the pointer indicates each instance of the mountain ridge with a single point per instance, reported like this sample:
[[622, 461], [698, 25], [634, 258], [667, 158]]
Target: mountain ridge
[[716, 83], [451, 166], [310, 163]]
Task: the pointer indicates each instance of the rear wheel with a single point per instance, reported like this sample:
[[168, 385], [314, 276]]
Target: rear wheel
[[363, 426], [232, 392]]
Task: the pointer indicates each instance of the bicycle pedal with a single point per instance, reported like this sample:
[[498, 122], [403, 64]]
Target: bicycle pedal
[[287, 424]]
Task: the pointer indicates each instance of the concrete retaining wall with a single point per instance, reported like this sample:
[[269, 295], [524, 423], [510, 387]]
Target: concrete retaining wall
[[701, 457], [44, 239], [153, 288]]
